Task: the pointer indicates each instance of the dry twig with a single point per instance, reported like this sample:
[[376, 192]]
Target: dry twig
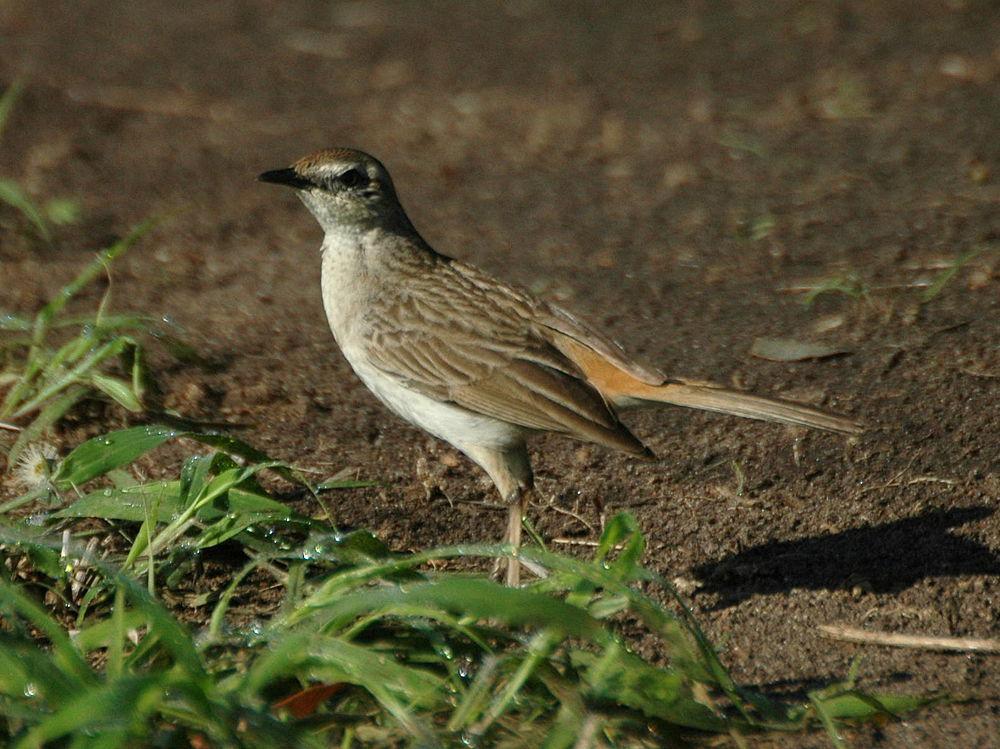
[[919, 642]]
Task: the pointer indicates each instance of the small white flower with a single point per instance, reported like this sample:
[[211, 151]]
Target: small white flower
[[36, 465]]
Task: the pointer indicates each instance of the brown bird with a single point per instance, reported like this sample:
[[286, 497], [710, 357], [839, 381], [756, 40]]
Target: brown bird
[[476, 362]]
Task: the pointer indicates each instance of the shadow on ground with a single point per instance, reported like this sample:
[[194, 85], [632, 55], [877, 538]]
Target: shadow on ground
[[888, 557]]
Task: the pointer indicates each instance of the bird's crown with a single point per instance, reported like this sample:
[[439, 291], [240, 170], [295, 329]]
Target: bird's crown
[[342, 186]]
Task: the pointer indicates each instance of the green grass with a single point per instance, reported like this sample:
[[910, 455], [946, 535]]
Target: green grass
[[54, 212], [43, 375], [945, 276], [852, 285], [849, 284], [407, 652]]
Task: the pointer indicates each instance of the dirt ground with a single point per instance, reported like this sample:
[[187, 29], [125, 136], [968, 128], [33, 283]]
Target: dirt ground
[[675, 175]]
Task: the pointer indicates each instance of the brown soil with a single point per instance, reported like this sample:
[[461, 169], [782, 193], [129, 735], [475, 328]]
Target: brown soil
[[669, 174]]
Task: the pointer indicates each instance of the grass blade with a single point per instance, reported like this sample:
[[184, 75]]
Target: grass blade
[[333, 660], [7, 100], [618, 677], [12, 323], [12, 194], [477, 697], [65, 654], [99, 455], [120, 392], [102, 708], [948, 273], [826, 720], [97, 266], [126, 503], [483, 599], [77, 373]]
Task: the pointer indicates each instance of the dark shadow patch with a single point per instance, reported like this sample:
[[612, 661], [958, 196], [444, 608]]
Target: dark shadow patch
[[885, 558]]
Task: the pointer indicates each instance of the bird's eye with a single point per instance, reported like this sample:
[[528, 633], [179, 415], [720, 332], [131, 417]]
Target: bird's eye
[[352, 178]]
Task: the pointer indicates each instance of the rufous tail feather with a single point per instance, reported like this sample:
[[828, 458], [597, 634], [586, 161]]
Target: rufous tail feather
[[711, 398], [623, 384]]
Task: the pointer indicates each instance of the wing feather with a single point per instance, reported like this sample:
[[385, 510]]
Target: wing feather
[[479, 347]]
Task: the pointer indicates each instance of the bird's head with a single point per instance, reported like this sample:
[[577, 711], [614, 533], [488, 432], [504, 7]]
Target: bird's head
[[343, 188]]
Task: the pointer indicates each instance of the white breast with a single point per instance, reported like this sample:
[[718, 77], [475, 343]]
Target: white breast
[[343, 275], [346, 290]]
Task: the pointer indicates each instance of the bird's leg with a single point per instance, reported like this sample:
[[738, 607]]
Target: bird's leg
[[515, 515], [510, 471]]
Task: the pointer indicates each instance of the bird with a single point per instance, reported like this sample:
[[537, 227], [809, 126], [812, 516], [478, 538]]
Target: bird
[[476, 362]]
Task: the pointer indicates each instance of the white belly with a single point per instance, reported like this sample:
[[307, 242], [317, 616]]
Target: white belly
[[461, 428]]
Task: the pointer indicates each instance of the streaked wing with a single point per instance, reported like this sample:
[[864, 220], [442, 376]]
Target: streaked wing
[[463, 338], [565, 331]]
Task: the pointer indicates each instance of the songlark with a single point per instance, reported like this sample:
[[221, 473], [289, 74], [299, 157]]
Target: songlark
[[474, 361]]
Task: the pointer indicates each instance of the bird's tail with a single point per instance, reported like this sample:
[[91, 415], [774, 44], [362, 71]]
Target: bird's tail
[[624, 383], [709, 397]]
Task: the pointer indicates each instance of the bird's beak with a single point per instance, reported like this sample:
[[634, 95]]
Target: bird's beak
[[288, 177]]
